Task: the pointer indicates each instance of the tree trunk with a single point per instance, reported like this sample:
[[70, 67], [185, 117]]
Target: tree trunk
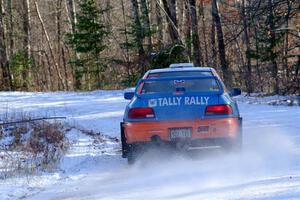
[[109, 15], [272, 46], [3, 56], [60, 48], [181, 15], [138, 34], [248, 76], [71, 13], [50, 80], [146, 22], [10, 29], [26, 75], [195, 36], [170, 10], [221, 45], [286, 40], [187, 31], [202, 14], [213, 61], [50, 47], [172, 6], [159, 21], [127, 55], [257, 60], [10, 43]]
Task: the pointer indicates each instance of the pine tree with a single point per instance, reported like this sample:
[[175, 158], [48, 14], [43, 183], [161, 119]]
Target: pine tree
[[88, 41]]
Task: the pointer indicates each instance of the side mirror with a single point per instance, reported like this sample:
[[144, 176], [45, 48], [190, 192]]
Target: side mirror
[[235, 92], [128, 95]]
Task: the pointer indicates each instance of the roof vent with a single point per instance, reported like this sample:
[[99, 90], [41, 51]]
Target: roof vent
[[181, 65]]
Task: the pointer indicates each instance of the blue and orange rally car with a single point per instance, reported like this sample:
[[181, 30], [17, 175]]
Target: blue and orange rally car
[[181, 106]]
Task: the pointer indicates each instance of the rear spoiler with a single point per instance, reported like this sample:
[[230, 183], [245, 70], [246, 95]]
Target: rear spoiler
[[141, 81]]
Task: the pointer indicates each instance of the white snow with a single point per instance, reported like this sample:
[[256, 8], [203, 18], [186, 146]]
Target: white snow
[[260, 98], [268, 167]]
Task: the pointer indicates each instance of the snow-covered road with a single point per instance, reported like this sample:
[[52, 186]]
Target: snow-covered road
[[268, 167]]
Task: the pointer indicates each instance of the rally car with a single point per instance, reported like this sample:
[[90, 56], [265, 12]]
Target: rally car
[[180, 106]]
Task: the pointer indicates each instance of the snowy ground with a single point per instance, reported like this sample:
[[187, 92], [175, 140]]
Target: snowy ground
[[268, 168], [260, 98]]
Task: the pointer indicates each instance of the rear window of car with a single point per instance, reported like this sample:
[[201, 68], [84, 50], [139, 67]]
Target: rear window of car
[[178, 74], [180, 86]]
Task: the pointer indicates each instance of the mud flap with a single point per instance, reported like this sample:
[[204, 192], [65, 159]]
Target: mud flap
[[125, 146], [240, 133], [241, 127]]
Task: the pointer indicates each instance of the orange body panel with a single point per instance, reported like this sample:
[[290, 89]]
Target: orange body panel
[[217, 128]]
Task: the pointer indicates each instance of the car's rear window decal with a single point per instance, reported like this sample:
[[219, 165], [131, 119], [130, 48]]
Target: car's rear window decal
[[178, 101]]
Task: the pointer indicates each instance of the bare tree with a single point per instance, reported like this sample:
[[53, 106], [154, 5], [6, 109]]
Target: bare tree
[[159, 21], [170, 11], [236, 37], [213, 60], [10, 29], [50, 48], [26, 46], [202, 15], [274, 66], [138, 33], [195, 36], [244, 15], [60, 48], [221, 45], [3, 57], [146, 22], [188, 29], [71, 8]]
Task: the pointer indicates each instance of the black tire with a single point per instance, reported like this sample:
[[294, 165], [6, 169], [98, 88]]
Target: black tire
[[123, 142], [132, 154], [129, 151]]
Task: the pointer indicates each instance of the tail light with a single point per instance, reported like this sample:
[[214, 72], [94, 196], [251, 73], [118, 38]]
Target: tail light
[[218, 110], [141, 113]]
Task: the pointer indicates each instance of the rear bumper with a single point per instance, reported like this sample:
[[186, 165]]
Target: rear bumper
[[202, 130]]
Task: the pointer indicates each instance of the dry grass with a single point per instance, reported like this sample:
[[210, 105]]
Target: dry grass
[[31, 147]]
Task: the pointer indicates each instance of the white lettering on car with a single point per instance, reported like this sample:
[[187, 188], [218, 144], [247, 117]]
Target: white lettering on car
[[178, 101], [192, 101], [160, 101], [186, 100], [152, 103], [206, 100], [165, 102]]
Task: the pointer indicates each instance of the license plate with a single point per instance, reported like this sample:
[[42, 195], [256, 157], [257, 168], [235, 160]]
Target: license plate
[[180, 133]]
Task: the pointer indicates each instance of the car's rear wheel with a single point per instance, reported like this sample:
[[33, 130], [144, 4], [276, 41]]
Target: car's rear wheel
[[125, 146], [132, 154]]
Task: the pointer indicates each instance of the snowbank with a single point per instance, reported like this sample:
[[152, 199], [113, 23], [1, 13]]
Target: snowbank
[[276, 100]]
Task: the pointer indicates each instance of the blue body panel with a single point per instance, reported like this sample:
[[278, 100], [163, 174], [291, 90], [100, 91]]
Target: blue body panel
[[180, 106]]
